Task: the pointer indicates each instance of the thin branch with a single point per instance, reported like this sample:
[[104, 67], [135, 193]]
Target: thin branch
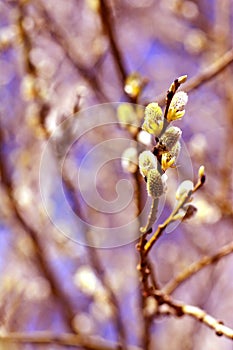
[[95, 260], [63, 40], [189, 271], [205, 75], [210, 72], [208, 320], [40, 256], [108, 25], [171, 218], [180, 309], [65, 339]]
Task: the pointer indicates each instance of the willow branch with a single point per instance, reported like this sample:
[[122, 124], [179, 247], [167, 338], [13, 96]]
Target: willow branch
[[189, 271], [96, 263], [172, 216], [208, 320], [63, 40], [205, 75], [108, 25], [210, 72], [65, 339], [42, 262], [180, 309]]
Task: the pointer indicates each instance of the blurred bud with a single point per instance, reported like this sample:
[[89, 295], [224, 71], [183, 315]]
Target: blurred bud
[[147, 161], [7, 36], [129, 160], [151, 306], [169, 158], [86, 280], [169, 139], [126, 114], [28, 87], [184, 189], [144, 138], [195, 41], [134, 84], [153, 121], [155, 184], [178, 103], [93, 5]]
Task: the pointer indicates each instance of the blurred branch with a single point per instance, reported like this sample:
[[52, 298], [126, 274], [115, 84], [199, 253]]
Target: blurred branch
[[208, 320], [97, 264], [210, 72], [205, 75], [192, 269], [42, 262], [180, 309], [108, 25], [172, 217], [65, 339], [93, 255], [63, 40]]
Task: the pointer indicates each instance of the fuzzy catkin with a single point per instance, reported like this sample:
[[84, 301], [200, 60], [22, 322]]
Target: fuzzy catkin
[[155, 185], [169, 139]]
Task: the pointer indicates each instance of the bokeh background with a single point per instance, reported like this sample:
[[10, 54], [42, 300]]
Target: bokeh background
[[59, 58]]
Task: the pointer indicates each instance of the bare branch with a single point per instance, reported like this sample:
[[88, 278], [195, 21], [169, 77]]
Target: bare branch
[[180, 309], [163, 226], [192, 269], [63, 40], [208, 320], [205, 75], [108, 25], [40, 256], [67, 339]]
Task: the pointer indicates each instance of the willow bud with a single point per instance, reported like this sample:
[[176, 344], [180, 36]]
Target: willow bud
[[169, 139], [169, 158], [129, 160], [184, 189], [182, 79], [153, 121], [155, 184], [178, 103], [147, 161]]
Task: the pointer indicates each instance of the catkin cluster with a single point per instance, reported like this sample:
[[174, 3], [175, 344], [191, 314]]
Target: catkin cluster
[[153, 165]]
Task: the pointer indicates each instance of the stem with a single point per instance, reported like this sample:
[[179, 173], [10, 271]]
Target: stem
[[192, 269], [152, 215]]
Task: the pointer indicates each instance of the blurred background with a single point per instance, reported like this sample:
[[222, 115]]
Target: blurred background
[[59, 59]]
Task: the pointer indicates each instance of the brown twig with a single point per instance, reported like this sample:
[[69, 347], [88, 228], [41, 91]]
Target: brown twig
[[43, 263], [96, 263], [64, 339], [192, 269], [108, 25], [205, 74], [63, 40], [163, 226], [180, 309], [93, 255]]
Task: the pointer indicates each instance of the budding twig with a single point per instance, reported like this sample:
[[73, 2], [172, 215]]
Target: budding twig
[[195, 267], [152, 215], [180, 205], [63, 339], [180, 309]]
